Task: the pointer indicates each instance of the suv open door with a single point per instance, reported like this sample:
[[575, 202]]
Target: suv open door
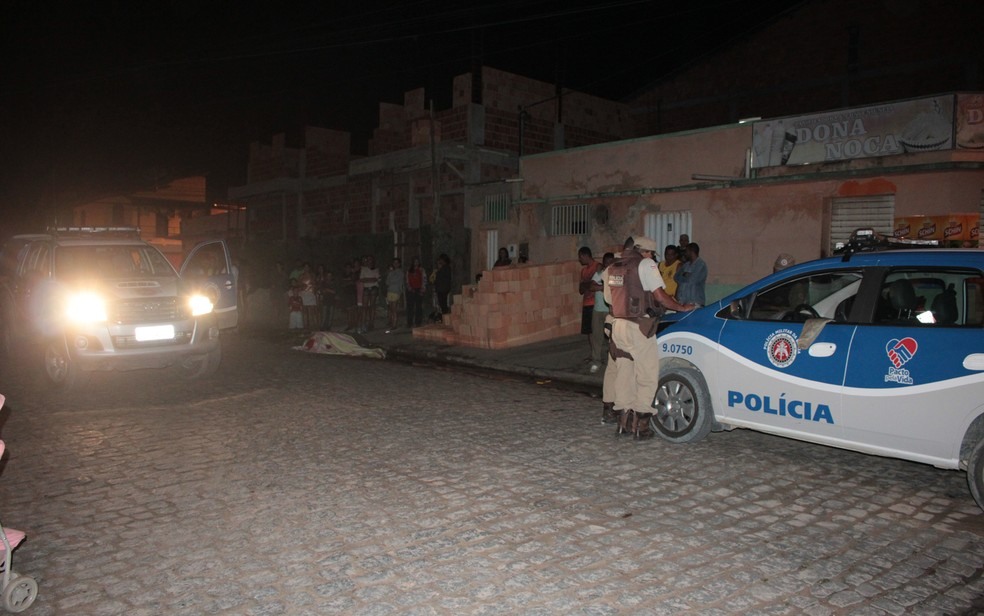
[[208, 268]]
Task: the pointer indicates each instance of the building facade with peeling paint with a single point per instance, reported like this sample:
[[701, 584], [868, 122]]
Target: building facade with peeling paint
[[745, 204]]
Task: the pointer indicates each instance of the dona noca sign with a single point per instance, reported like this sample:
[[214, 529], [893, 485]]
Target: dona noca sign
[[919, 125]]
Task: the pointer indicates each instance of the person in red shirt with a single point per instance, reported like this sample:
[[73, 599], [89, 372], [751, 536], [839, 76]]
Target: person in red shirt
[[587, 289], [416, 284]]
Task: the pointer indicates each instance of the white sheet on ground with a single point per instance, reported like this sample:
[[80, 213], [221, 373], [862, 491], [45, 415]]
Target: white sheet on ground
[[334, 343]]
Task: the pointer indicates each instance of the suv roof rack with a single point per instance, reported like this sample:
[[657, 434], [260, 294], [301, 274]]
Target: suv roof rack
[[868, 240], [114, 232]]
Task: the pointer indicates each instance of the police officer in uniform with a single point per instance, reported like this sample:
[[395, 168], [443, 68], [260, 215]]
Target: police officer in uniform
[[635, 291], [608, 413]]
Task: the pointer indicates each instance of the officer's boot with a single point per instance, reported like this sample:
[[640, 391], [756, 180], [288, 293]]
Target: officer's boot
[[626, 422], [642, 430], [608, 413]]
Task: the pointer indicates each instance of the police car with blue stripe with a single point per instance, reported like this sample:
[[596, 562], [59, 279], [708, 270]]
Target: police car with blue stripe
[[877, 351]]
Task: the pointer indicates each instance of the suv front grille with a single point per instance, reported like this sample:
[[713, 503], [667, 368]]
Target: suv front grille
[[146, 310]]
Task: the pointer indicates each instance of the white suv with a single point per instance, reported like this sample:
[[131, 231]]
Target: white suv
[[102, 299]]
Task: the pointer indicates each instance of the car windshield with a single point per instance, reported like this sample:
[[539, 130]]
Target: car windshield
[[827, 295], [111, 261]]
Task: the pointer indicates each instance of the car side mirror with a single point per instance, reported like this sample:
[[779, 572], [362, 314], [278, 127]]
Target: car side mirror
[[736, 310]]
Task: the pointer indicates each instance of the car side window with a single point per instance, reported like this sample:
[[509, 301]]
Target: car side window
[[827, 295], [931, 298]]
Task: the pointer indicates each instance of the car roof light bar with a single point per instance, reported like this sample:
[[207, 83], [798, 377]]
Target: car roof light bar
[[867, 239]]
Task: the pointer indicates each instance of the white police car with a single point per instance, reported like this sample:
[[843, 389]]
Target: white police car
[[877, 352]]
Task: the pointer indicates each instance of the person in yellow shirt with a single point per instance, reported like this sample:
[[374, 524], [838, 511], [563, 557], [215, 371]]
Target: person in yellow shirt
[[668, 267]]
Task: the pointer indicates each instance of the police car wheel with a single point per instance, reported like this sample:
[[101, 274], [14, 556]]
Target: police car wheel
[[682, 408], [975, 473]]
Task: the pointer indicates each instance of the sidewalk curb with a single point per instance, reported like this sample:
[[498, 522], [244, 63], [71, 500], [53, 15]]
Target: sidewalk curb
[[408, 349], [409, 352]]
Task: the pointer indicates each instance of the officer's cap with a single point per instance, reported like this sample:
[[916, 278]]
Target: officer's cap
[[645, 243]]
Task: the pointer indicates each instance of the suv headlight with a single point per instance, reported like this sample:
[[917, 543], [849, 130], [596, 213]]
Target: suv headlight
[[86, 307], [199, 305]]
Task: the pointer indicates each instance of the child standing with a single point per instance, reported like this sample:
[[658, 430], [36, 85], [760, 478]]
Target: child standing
[[295, 306], [395, 280]]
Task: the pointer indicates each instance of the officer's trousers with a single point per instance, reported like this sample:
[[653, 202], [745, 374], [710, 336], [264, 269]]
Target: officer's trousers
[[636, 379]]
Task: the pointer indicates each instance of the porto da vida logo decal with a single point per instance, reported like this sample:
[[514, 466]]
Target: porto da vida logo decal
[[780, 347], [899, 353]]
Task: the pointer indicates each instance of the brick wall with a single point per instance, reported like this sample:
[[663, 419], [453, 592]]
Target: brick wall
[[393, 132], [268, 162], [587, 119], [342, 209], [327, 151], [513, 306]]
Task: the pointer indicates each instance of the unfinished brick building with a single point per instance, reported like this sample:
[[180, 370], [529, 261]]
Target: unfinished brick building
[[424, 169]]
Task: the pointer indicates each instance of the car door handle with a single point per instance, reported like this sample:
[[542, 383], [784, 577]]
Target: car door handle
[[822, 349], [974, 361]]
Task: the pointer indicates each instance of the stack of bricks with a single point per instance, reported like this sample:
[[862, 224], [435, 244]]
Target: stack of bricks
[[513, 306]]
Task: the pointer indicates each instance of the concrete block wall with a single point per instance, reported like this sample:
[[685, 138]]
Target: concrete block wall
[[327, 151], [393, 132], [513, 306], [342, 209], [593, 119], [268, 162], [608, 120], [454, 124]]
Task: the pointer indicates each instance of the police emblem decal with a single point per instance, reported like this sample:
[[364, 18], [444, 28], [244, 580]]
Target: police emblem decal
[[781, 349]]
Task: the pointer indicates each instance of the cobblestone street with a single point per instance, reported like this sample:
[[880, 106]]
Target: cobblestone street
[[303, 484]]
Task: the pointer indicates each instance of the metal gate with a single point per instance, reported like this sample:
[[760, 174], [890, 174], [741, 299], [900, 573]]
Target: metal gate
[[849, 214], [666, 228]]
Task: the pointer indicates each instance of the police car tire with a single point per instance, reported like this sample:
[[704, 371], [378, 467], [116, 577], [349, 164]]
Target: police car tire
[[975, 473], [682, 407]]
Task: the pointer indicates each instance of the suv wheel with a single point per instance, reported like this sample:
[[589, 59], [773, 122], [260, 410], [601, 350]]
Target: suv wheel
[[201, 366], [59, 368], [682, 410], [975, 473]]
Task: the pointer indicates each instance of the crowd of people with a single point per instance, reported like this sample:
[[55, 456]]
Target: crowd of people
[[684, 276], [624, 296], [314, 298]]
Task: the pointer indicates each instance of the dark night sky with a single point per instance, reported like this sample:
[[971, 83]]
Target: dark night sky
[[100, 97]]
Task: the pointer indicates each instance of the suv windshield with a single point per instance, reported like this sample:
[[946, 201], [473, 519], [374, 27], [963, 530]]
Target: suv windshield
[[110, 261]]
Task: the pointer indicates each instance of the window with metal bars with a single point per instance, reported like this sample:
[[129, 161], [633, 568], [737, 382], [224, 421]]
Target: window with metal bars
[[569, 219], [496, 207]]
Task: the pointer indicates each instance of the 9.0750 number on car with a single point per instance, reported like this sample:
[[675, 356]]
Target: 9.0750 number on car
[[677, 349]]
